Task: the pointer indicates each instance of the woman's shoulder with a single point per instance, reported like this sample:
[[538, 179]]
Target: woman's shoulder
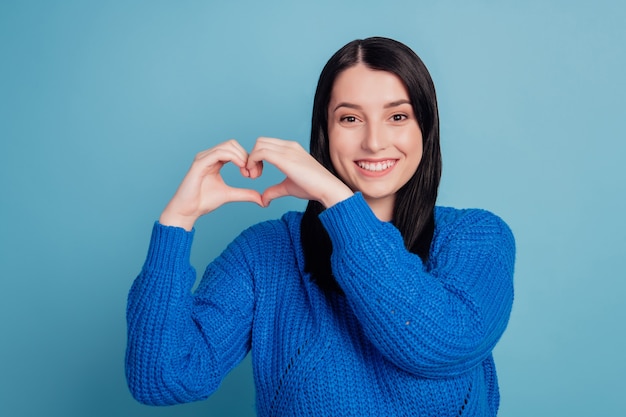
[[275, 231], [271, 241], [479, 223], [445, 215], [471, 236]]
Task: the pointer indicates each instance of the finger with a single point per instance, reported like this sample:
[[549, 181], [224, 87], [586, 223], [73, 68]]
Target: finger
[[244, 172], [215, 158], [274, 192], [255, 169], [243, 155], [245, 194], [254, 165], [266, 149], [281, 153], [231, 146]]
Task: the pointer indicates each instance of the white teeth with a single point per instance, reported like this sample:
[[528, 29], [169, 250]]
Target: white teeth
[[376, 166]]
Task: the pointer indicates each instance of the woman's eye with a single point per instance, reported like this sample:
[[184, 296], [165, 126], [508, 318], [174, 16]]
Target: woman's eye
[[398, 117], [349, 119]]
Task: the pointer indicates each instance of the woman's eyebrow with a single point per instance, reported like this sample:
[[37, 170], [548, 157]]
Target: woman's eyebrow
[[348, 105], [395, 103]]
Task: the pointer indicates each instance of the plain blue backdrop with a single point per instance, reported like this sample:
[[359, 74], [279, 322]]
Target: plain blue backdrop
[[104, 104]]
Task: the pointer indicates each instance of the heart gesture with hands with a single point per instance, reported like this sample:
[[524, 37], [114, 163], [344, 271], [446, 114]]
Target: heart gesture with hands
[[204, 190]]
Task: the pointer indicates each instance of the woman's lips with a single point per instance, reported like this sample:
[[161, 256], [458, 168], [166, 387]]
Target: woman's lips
[[379, 166]]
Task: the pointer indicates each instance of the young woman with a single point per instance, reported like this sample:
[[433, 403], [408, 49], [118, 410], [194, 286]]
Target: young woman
[[373, 302]]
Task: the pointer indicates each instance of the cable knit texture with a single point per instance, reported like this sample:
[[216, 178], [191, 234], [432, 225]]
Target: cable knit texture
[[405, 339]]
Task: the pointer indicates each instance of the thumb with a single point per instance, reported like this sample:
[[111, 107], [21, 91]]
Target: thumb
[[274, 192], [245, 194]]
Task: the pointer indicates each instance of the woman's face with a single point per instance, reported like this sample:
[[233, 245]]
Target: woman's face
[[375, 142]]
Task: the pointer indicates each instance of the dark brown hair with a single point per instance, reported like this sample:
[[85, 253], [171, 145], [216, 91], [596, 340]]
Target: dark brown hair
[[415, 201]]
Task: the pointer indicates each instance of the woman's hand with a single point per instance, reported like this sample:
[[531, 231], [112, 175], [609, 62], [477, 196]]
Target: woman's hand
[[203, 189], [306, 178]]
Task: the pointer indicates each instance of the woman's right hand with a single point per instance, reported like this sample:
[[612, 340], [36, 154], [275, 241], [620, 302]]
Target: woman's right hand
[[203, 189]]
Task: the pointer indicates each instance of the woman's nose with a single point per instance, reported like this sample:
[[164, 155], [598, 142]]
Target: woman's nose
[[375, 138]]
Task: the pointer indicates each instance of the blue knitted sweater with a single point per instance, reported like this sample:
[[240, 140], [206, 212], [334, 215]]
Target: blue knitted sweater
[[405, 339]]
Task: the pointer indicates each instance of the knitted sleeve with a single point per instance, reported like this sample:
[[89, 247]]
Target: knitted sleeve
[[180, 345], [434, 322]]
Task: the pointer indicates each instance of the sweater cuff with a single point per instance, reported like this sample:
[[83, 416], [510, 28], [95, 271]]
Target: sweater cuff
[[349, 220], [169, 247]]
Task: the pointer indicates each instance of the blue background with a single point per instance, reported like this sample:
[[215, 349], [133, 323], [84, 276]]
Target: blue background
[[104, 104]]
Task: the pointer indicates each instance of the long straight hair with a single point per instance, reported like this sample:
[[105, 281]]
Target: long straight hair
[[414, 203]]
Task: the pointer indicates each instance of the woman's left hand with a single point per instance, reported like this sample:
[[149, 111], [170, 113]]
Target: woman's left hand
[[306, 178]]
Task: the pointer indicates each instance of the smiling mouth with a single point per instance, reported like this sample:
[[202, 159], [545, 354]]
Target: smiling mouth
[[378, 166]]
